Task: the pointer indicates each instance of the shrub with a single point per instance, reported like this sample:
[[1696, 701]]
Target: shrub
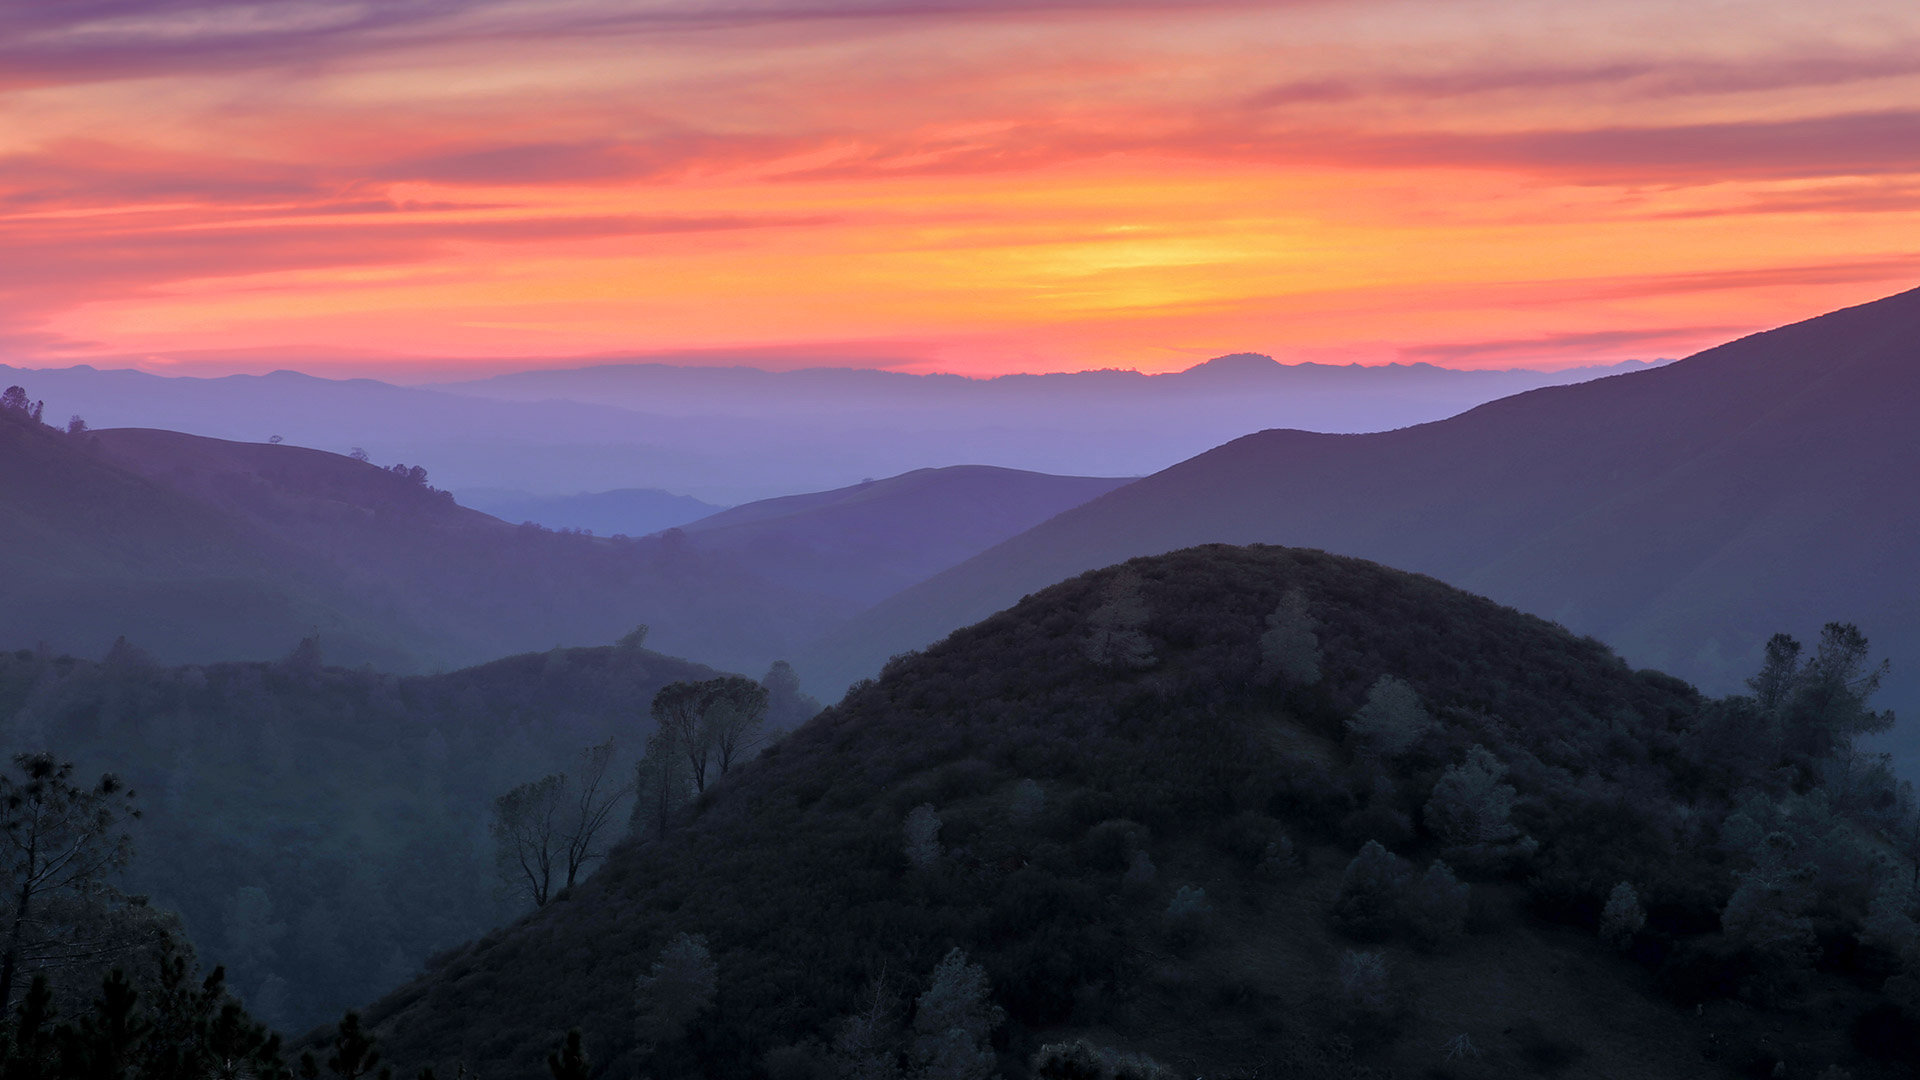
[[1368, 904], [1290, 649], [1140, 874], [1366, 984], [1188, 912], [1081, 1060], [923, 836], [1470, 806], [1391, 721], [1028, 800], [1436, 907], [1623, 916]]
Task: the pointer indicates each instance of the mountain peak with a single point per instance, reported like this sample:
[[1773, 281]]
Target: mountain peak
[[1235, 364]]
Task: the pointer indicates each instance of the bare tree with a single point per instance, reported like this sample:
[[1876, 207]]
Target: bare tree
[[59, 843], [591, 798], [526, 835]]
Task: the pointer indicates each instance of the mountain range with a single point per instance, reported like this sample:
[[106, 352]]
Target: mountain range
[[1681, 514], [731, 435]]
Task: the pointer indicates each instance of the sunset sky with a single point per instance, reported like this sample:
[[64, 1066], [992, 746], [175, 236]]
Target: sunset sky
[[959, 185]]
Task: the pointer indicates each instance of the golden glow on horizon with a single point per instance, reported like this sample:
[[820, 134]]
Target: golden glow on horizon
[[1095, 185]]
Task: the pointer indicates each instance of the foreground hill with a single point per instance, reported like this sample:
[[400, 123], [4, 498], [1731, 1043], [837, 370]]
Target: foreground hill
[[1681, 514], [1133, 799], [863, 543]]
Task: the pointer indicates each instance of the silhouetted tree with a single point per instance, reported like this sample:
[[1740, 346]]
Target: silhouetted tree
[[527, 835], [351, 1054], [358, 454], [59, 843], [76, 425], [680, 710], [569, 1060], [591, 798], [734, 711]]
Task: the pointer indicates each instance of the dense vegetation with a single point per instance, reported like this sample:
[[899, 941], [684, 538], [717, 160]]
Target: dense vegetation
[[1251, 811], [320, 831]]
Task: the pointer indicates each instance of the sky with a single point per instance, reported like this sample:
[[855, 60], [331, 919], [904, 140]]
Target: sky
[[979, 186]]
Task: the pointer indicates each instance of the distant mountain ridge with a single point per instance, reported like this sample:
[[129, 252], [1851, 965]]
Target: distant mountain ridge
[[204, 550], [1681, 514], [733, 435], [869, 541]]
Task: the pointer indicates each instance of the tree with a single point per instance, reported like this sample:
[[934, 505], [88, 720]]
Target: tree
[[526, 835], [635, 638], [1773, 686], [358, 454], [59, 844], [1437, 906], [351, 1053], [952, 1022], [866, 1045], [1391, 721], [680, 711], [1116, 637], [76, 425], [14, 399], [1470, 806], [734, 711], [1290, 649], [1368, 903], [679, 987], [922, 830], [661, 784], [1623, 916], [569, 1060], [1828, 707], [590, 801]]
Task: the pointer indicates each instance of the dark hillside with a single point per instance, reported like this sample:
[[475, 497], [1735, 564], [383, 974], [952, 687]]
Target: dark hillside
[[1681, 514], [323, 831], [861, 544], [1145, 799]]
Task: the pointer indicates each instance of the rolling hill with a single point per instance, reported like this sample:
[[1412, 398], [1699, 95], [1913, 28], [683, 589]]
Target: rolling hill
[[1681, 514], [863, 543], [201, 550], [1154, 849]]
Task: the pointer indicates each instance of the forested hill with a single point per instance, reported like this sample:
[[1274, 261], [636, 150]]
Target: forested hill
[[1680, 514], [1253, 812], [322, 831]]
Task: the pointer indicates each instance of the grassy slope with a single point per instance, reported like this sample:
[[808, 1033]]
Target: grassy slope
[[794, 870]]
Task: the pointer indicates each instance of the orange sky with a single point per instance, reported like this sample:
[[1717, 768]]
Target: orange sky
[[961, 185]]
